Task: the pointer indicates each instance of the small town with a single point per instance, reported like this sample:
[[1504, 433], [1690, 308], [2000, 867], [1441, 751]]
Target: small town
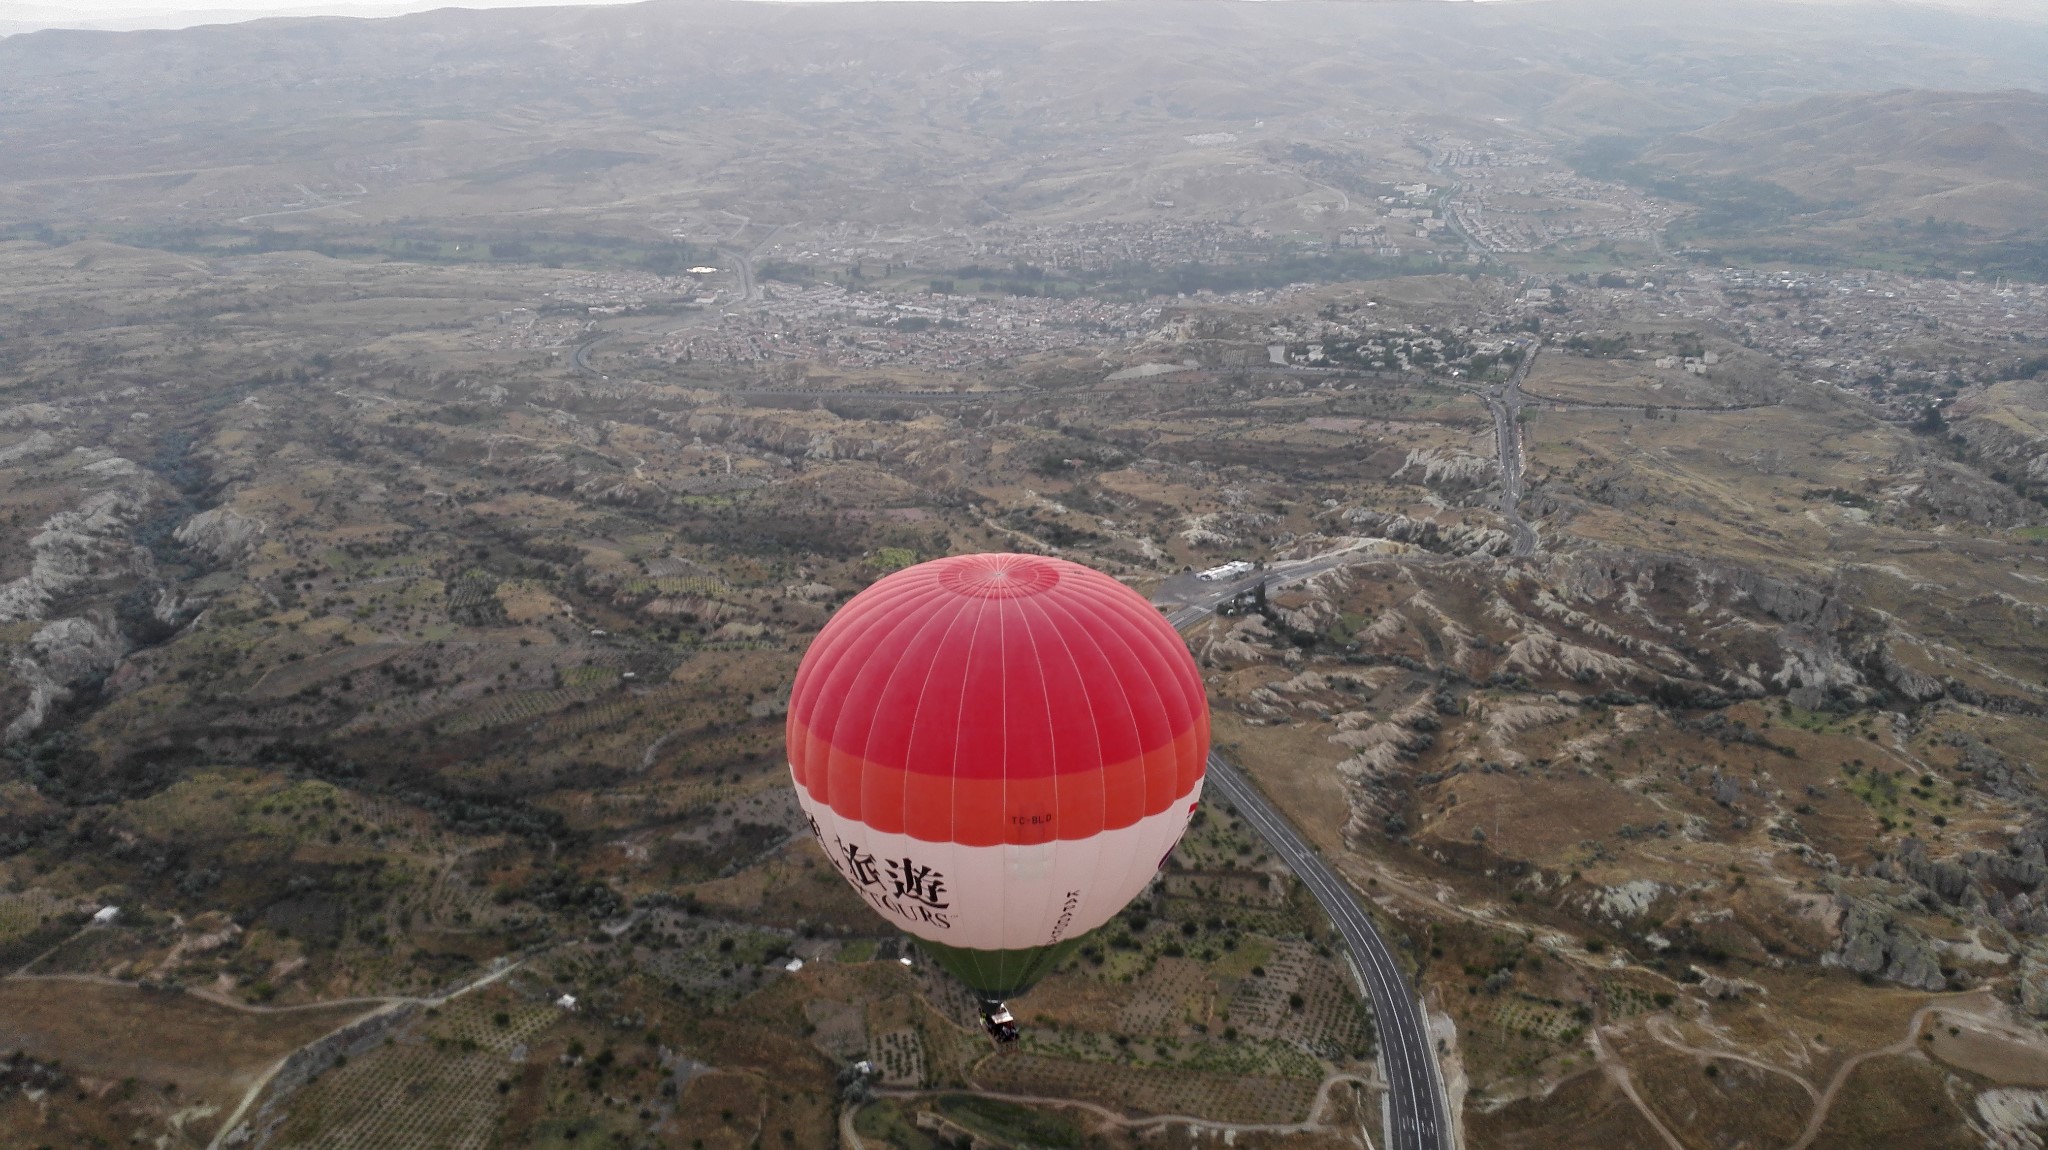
[[1894, 337]]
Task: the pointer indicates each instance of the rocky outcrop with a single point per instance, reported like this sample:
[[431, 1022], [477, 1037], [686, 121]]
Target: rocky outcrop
[[1815, 673], [1807, 641], [1506, 721], [1428, 534], [1724, 790], [72, 553], [30, 415], [1795, 604], [61, 657], [1448, 470], [1723, 987], [39, 445], [1951, 493], [1629, 901], [1913, 685], [1538, 649], [1201, 532], [2010, 885], [1229, 526], [815, 434], [1376, 735], [2001, 428], [222, 533], [75, 548], [1309, 607], [1249, 640], [1875, 942], [2034, 982], [2011, 1117], [1990, 770]]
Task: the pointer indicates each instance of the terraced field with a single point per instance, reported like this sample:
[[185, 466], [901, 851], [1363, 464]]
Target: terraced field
[[1153, 1090], [413, 1093]]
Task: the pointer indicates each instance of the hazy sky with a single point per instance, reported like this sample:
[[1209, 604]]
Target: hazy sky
[[25, 10], [15, 14], [53, 11], [23, 15], [124, 15]]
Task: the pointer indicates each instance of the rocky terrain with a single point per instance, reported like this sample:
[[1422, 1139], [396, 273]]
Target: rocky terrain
[[399, 596], [347, 680]]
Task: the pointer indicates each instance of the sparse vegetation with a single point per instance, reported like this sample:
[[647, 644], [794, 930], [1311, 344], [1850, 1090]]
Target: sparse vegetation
[[412, 524]]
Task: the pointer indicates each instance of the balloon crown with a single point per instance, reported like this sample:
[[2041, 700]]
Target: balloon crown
[[998, 576]]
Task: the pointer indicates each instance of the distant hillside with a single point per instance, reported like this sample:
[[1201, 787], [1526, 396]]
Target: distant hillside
[[1976, 159], [16, 18], [828, 110]]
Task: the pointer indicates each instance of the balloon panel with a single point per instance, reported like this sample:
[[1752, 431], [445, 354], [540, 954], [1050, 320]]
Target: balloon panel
[[990, 699], [1003, 897], [999, 974]]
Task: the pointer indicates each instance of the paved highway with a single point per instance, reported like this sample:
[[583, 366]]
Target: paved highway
[[1417, 1111], [1417, 1117], [743, 261], [1505, 402], [579, 356]]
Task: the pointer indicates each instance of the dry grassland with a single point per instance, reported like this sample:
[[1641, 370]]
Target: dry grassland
[[112, 1032]]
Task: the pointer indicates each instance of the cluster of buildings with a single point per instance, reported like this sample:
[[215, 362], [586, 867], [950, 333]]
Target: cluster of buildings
[[623, 290], [1453, 154], [1901, 340], [1328, 343], [999, 247], [851, 328], [523, 329], [577, 302], [1531, 210], [1369, 237], [1510, 197]]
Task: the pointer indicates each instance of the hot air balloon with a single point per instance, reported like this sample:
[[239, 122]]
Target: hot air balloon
[[998, 752]]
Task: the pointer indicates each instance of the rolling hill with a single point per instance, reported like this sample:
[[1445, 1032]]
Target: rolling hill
[[1969, 158]]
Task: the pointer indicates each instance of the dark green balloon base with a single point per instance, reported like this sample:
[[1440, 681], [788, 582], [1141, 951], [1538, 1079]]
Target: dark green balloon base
[[998, 974]]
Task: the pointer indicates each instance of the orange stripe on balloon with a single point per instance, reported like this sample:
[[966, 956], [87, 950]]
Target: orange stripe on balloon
[[986, 812]]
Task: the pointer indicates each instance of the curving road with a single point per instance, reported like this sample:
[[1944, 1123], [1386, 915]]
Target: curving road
[[1417, 1112], [579, 356], [1417, 1116], [1505, 402]]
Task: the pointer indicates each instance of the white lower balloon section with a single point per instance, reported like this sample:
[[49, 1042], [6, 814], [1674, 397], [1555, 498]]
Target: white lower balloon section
[[999, 897]]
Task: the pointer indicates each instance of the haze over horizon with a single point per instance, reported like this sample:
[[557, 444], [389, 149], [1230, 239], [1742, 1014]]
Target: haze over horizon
[[138, 15]]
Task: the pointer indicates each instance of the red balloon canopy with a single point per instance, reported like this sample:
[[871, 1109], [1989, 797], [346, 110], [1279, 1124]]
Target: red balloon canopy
[[989, 699]]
